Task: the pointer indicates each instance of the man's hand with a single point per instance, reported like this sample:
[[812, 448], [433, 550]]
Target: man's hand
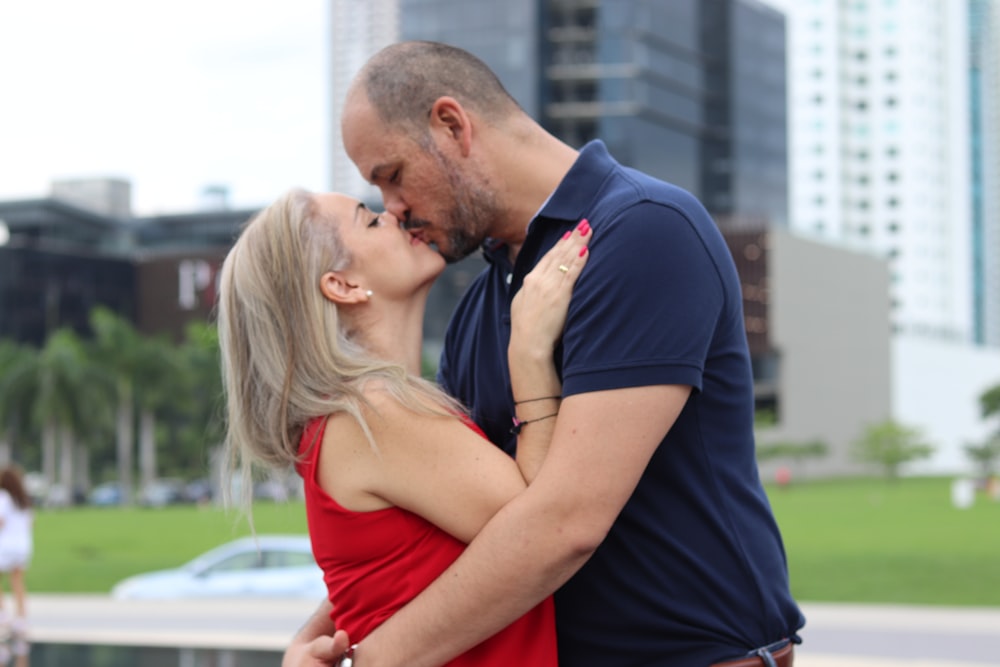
[[323, 651]]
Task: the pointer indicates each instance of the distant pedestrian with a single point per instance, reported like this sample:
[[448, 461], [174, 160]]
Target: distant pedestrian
[[16, 546]]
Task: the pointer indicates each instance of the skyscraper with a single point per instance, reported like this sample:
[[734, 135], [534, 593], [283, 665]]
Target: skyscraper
[[691, 91], [879, 135], [984, 90], [358, 28]]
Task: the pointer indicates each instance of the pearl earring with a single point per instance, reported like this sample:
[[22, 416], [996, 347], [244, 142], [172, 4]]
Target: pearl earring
[[369, 293]]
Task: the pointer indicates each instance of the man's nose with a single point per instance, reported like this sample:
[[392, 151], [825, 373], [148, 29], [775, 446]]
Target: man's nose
[[395, 205]]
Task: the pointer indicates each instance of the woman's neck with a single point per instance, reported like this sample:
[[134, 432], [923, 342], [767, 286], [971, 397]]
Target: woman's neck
[[395, 331]]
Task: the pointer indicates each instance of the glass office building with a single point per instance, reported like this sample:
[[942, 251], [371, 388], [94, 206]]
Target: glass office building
[[59, 260], [690, 91]]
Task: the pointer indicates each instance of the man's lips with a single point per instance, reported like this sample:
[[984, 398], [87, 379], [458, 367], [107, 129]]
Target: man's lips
[[416, 237]]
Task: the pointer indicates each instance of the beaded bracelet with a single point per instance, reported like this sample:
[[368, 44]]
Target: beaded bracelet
[[518, 424]]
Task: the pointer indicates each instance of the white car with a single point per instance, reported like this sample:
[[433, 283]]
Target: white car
[[268, 566]]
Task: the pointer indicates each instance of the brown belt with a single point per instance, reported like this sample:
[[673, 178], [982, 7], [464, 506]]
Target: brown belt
[[783, 657]]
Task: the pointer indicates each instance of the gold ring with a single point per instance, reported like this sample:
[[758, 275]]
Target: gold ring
[[563, 268]]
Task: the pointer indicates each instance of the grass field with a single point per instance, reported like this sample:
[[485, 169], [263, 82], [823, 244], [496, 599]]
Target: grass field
[[868, 540], [89, 549], [847, 540]]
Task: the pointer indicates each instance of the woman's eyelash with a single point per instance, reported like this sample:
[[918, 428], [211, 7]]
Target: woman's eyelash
[[375, 220]]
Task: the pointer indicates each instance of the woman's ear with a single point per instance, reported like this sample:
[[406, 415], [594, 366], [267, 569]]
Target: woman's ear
[[336, 287]]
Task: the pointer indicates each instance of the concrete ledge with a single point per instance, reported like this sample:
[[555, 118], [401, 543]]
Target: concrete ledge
[[836, 635]]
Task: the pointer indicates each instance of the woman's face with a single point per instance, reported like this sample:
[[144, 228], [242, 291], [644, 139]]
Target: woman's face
[[385, 258]]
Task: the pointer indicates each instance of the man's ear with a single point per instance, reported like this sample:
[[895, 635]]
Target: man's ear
[[336, 287], [450, 117]]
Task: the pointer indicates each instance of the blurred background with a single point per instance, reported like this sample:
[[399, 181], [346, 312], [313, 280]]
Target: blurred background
[[848, 149]]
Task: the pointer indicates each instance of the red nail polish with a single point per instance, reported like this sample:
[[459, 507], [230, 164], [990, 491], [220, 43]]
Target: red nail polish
[[585, 230], [583, 251], [566, 235], [583, 224]]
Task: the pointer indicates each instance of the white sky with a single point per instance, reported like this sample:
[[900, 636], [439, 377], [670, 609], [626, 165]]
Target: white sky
[[171, 95]]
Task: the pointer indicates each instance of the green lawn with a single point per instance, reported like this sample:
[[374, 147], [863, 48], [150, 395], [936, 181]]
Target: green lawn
[[868, 540], [88, 550], [858, 540]]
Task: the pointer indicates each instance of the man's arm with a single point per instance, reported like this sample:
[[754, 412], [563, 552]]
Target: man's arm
[[602, 444], [316, 644]]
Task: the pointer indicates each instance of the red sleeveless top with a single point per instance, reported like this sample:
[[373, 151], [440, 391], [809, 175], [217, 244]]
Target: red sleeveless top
[[375, 562]]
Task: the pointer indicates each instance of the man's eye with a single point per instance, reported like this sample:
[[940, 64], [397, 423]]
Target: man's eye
[[395, 177]]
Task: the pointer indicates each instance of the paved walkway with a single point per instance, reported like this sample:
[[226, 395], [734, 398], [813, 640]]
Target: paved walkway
[[836, 635], [844, 635]]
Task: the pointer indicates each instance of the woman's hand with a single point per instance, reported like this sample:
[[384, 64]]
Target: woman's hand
[[538, 311]]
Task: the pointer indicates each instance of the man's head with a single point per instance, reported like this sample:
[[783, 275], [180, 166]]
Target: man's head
[[410, 121]]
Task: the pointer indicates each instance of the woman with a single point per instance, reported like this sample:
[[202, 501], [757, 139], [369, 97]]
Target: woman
[[16, 545], [320, 319]]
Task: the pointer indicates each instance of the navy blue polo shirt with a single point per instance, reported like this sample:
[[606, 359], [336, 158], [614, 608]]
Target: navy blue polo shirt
[[693, 570]]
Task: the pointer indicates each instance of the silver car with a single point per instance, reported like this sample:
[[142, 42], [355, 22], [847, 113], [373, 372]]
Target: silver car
[[265, 566]]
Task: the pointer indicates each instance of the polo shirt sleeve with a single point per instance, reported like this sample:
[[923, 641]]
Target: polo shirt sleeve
[[647, 305]]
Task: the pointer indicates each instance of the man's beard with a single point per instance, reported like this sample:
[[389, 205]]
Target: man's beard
[[474, 210]]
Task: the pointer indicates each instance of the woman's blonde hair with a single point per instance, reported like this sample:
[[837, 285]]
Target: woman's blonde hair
[[286, 355]]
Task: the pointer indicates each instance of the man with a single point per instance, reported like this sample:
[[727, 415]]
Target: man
[[647, 520]]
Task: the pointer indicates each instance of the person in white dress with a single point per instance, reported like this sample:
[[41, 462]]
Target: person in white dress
[[16, 545]]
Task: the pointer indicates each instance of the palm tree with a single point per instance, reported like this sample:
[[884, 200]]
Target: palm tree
[[14, 397], [118, 348], [66, 404], [203, 408], [159, 381]]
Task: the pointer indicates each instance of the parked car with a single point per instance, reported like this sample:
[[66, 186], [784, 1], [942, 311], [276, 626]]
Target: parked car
[[105, 495], [197, 491], [268, 566], [161, 492]]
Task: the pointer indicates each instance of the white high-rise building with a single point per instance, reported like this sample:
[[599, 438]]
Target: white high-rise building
[[359, 28], [879, 146], [986, 152]]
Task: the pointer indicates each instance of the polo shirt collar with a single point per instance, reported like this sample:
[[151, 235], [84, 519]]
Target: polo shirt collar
[[573, 196]]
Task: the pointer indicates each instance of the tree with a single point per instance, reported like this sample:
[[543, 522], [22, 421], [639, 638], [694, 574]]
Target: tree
[[117, 347], [58, 388], [797, 451], [985, 455], [890, 445], [15, 393], [989, 403], [201, 414], [157, 385]]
